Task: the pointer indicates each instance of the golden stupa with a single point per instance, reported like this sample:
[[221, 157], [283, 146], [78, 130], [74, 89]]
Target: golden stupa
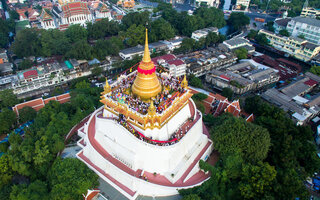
[[146, 85]]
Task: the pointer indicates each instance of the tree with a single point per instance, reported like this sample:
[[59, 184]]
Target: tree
[[76, 33], [241, 53], [236, 135], [284, 32], [199, 96], [25, 64], [97, 71], [135, 18], [187, 45], [103, 28], [212, 16], [301, 36], [135, 35], [227, 92], [82, 85], [238, 20], [252, 34], [70, 178], [315, 70], [212, 39], [257, 180], [54, 42], [6, 172], [7, 119], [262, 39], [269, 26], [36, 190], [26, 114], [195, 81], [7, 98], [80, 50], [191, 197], [27, 43], [161, 30]]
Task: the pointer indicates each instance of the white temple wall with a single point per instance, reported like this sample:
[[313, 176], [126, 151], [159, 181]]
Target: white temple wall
[[140, 155]]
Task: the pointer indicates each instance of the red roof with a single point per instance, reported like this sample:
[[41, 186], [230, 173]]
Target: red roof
[[91, 194], [39, 103], [75, 8], [225, 77], [30, 74], [164, 57], [176, 62], [311, 82]]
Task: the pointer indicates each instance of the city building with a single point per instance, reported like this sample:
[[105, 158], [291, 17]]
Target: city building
[[202, 33], [280, 24], [209, 3], [310, 12], [138, 50], [243, 77], [307, 27], [29, 14], [199, 63], [174, 66], [39, 103], [237, 43], [294, 46], [129, 53], [242, 5], [297, 98], [145, 141]]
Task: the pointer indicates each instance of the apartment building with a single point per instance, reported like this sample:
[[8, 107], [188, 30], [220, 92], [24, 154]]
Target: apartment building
[[307, 27], [310, 12], [243, 77], [202, 33], [294, 46]]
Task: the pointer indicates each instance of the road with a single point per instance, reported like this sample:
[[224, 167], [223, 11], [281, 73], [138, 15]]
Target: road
[[254, 15]]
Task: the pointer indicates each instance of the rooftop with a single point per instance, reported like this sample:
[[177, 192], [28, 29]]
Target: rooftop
[[236, 41], [282, 22], [307, 20]]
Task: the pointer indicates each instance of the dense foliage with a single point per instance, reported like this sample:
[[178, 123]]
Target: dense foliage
[[249, 166], [238, 20], [106, 37], [30, 158]]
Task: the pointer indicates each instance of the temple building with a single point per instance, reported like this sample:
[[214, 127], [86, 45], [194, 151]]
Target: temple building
[[101, 10], [76, 13], [46, 19], [148, 137]]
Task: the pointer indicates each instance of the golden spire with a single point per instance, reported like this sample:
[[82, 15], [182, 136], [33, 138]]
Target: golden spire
[[146, 84], [107, 87], [146, 56], [184, 82], [151, 109]]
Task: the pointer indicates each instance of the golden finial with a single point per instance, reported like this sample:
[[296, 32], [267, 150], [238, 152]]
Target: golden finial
[[184, 82], [146, 56], [107, 87], [151, 109]]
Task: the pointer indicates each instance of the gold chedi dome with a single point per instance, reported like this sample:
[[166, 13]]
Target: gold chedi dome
[[146, 85]]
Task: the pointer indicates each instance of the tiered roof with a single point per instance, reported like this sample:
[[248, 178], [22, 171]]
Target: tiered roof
[[75, 8], [45, 15]]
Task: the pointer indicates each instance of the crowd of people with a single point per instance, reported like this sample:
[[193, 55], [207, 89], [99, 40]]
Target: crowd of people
[[175, 137], [171, 88]]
